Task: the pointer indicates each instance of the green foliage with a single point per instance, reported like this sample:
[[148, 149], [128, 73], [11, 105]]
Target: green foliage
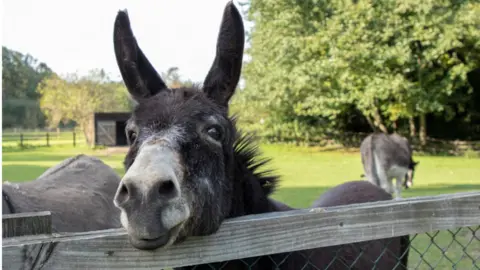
[[173, 79], [20, 77], [312, 60], [77, 98]]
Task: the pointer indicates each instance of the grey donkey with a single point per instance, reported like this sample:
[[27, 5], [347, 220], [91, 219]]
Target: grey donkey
[[386, 157], [79, 192]]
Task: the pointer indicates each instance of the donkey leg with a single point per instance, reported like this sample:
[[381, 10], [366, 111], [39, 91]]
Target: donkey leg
[[385, 181], [386, 185], [398, 188], [391, 187], [371, 179]]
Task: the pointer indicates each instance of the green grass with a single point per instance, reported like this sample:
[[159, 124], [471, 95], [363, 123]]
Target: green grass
[[305, 174], [24, 165]]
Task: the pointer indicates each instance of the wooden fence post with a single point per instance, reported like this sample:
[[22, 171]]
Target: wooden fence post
[[48, 140], [22, 224], [21, 139], [74, 142]]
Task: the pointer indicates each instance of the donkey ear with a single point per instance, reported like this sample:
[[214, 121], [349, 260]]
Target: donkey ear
[[141, 79], [224, 74]]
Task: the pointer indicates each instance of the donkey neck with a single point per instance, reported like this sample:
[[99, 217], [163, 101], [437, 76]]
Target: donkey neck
[[252, 183], [249, 197]]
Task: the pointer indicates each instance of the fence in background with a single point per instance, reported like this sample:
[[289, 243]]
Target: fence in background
[[444, 234], [41, 137], [433, 146], [26, 138]]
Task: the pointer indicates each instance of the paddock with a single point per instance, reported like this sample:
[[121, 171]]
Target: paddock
[[28, 242]]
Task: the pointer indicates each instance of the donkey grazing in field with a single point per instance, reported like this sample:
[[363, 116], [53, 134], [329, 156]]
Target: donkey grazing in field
[[79, 192], [385, 157], [188, 168]]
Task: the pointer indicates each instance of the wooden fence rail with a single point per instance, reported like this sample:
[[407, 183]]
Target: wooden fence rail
[[22, 224], [39, 139], [249, 236]]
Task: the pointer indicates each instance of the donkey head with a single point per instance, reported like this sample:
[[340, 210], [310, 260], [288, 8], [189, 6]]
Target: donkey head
[[179, 168]]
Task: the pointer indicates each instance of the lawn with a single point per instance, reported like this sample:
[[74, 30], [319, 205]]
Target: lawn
[[305, 174]]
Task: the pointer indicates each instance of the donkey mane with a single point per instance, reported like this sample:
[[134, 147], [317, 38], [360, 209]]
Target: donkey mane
[[251, 182], [247, 155]]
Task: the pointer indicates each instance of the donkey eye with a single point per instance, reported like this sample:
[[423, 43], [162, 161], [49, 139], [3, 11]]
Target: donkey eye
[[132, 136], [214, 132]]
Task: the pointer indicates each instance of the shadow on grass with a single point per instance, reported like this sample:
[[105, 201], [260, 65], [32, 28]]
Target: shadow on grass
[[57, 153], [8, 148], [303, 197], [17, 148], [32, 157]]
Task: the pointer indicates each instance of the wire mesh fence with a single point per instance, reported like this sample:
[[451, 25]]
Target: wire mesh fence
[[450, 249], [447, 249]]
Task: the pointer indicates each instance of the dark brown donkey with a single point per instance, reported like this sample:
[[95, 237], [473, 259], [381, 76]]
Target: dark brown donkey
[[188, 168]]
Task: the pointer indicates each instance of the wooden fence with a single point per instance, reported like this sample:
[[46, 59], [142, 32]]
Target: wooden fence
[[24, 139], [247, 236], [433, 146]]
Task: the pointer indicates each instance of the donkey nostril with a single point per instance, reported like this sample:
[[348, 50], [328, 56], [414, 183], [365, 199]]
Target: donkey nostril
[[124, 190], [123, 194], [166, 188]]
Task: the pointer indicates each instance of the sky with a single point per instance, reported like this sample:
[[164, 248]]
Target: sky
[[77, 36]]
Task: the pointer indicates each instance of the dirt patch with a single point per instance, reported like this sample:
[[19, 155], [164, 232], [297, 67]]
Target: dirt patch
[[112, 151]]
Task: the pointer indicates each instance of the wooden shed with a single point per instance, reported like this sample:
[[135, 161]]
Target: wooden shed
[[109, 128]]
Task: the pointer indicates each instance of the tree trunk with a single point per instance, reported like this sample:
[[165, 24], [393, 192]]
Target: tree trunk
[[378, 121], [394, 126], [86, 133], [413, 130], [370, 122], [423, 129], [87, 127]]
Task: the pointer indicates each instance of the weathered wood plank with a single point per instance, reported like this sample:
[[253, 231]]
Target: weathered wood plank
[[22, 224], [251, 236]]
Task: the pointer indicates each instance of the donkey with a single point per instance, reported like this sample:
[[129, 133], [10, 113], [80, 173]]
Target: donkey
[[79, 192], [385, 157], [188, 168]]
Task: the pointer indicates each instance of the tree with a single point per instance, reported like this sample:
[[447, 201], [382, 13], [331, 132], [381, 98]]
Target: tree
[[53, 99], [174, 80], [279, 76], [171, 77], [20, 77], [77, 98], [443, 47], [393, 60]]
